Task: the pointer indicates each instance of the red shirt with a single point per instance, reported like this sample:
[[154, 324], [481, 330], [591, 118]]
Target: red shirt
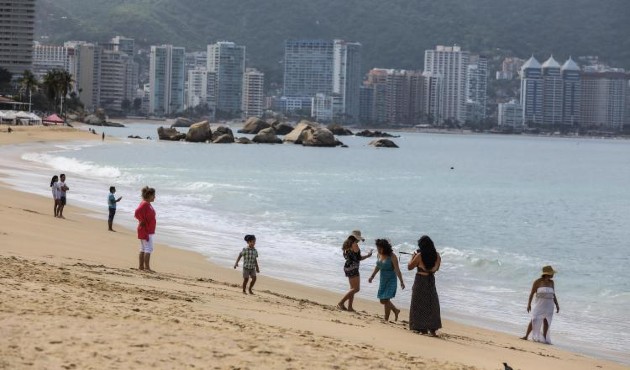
[[145, 214]]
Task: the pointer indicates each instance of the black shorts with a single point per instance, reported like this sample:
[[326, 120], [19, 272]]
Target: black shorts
[[112, 212], [62, 200]]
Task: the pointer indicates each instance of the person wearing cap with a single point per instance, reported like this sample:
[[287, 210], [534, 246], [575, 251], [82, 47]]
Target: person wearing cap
[[542, 313], [352, 254], [250, 262]]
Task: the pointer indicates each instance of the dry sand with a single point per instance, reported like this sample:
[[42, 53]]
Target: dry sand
[[72, 298]]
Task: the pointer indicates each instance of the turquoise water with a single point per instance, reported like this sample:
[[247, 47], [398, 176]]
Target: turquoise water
[[508, 206]]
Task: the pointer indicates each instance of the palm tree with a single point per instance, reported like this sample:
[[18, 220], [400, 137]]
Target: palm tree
[[57, 84], [28, 82]]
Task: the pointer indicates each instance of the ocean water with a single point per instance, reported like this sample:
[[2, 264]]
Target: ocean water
[[497, 207]]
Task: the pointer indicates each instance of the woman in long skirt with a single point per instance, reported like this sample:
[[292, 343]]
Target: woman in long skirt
[[424, 313]]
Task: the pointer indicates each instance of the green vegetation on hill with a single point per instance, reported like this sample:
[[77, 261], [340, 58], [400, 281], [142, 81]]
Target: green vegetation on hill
[[394, 33]]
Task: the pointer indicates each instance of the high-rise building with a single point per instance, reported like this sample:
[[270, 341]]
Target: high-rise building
[[511, 115], [166, 78], [450, 65], [86, 71], [119, 76], [49, 57], [17, 28], [603, 99], [125, 45], [476, 88], [397, 97], [571, 92], [253, 93], [552, 92], [510, 67], [532, 91], [347, 78], [308, 68], [227, 61]]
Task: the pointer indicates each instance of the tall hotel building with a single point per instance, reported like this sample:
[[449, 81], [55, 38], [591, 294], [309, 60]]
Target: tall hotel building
[[17, 28], [166, 79], [449, 65], [227, 61], [49, 57], [308, 69], [476, 88], [552, 92], [202, 89], [253, 93], [604, 99], [571, 92], [347, 78], [86, 70], [532, 91]]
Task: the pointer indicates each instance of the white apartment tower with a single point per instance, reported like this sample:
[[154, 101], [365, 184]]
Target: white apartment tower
[[49, 57], [347, 78], [202, 89], [604, 98], [227, 61], [532, 91], [17, 28], [552, 92], [253, 93], [118, 76], [166, 79], [450, 65], [86, 71], [511, 115], [571, 92]]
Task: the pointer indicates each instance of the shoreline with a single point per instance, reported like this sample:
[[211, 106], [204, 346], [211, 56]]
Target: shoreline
[[191, 265]]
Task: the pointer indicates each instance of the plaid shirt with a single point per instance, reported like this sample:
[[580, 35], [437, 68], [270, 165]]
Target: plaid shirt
[[249, 257]]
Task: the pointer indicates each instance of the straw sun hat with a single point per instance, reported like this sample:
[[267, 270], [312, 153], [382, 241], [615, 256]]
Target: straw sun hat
[[357, 235], [548, 270]]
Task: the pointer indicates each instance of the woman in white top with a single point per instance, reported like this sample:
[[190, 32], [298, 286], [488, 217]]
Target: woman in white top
[[543, 289]]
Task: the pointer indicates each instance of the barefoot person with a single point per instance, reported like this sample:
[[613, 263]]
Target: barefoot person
[[62, 188], [145, 214], [424, 313], [250, 262], [387, 264], [55, 194], [111, 202], [543, 289], [352, 254]]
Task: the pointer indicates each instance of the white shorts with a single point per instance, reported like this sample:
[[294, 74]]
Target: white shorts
[[146, 246]]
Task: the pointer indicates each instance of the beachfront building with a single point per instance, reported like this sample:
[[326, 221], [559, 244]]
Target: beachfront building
[[552, 92], [432, 94], [510, 68], [450, 65], [227, 61], [324, 108], [347, 78], [571, 93], [201, 89], [604, 96], [17, 29], [253, 93], [49, 57], [476, 88], [532, 92], [124, 44], [166, 78], [511, 115], [118, 81], [85, 64]]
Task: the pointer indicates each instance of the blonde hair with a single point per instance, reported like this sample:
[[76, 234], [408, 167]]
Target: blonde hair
[[147, 192]]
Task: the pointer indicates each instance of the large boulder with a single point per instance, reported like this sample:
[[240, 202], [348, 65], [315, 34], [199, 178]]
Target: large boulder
[[318, 137], [267, 136], [223, 131], [368, 133], [93, 119], [223, 139], [243, 140], [169, 133], [199, 132], [182, 122], [294, 136], [339, 130], [254, 125], [383, 143], [282, 128]]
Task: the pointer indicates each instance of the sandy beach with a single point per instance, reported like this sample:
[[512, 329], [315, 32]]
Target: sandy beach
[[72, 298]]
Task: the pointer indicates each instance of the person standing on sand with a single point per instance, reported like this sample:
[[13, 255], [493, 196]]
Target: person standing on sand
[[424, 312], [352, 254], [542, 313], [387, 264], [55, 193], [250, 262], [111, 202], [62, 188], [145, 214]]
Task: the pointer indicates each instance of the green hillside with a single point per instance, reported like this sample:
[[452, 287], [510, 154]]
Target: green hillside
[[394, 33]]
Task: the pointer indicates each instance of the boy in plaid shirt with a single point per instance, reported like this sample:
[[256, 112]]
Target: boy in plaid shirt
[[250, 262]]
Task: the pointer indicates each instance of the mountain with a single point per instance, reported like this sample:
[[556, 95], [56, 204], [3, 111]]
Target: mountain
[[394, 33]]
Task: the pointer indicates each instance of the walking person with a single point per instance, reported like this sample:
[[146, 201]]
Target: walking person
[[111, 202], [62, 188], [387, 264], [250, 263], [145, 214], [55, 194], [352, 254], [424, 312], [544, 290]]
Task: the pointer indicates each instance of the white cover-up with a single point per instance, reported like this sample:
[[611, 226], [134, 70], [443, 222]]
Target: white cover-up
[[543, 309]]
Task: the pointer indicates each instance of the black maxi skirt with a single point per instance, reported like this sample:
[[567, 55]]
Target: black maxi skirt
[[424, 313]]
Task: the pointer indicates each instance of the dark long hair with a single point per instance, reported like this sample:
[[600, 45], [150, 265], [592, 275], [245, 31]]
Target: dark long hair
[[348, 243], [385, 246], [427, 252], [54, 180]]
